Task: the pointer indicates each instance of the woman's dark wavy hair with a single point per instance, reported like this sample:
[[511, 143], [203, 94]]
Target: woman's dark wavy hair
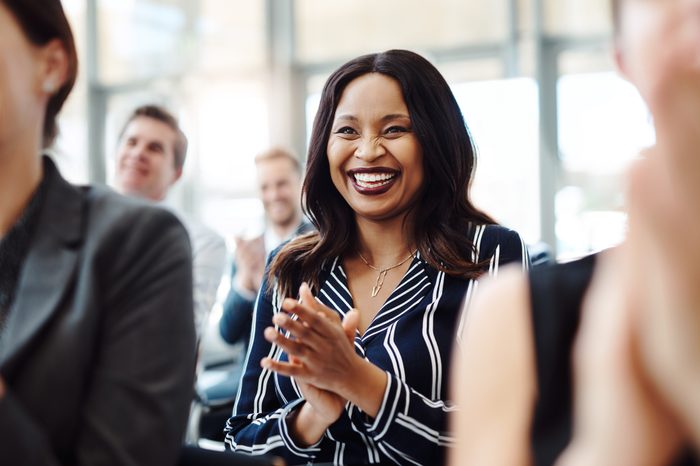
[[42, 21], [443, 212]]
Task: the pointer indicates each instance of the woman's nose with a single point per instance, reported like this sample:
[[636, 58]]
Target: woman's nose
[[369, 149]]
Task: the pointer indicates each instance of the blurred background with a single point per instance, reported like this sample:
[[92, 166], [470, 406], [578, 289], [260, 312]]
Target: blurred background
[[554, 124]]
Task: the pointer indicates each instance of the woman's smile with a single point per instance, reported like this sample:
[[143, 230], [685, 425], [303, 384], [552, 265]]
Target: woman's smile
[[373, 181]]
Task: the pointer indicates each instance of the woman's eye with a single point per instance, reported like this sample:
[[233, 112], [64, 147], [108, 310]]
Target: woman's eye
[[346, 130], [396, 130]]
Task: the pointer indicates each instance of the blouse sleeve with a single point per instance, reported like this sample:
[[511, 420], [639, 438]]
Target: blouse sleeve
[[500, 246], [258, 425], [410, 428]]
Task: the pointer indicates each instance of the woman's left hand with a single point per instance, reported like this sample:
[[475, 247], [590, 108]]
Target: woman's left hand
[[319, 344]]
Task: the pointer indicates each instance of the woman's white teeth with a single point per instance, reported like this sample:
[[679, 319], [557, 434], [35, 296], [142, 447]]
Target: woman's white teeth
[[373, 178]]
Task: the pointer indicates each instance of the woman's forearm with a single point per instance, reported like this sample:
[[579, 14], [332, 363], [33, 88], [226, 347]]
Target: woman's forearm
[[306, 427], [365, 387]]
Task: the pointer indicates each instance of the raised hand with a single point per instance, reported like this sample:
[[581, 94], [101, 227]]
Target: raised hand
[[250, 263], [665, 231], [664, 198], [323, 407], [319, 342], [322, 352]]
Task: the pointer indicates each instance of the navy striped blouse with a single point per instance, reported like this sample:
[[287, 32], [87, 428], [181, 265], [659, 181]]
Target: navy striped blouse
[[411, 338]]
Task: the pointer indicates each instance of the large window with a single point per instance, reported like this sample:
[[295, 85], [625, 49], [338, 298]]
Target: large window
[[502, 117], [244, 74], [603, 125], [332, 31]]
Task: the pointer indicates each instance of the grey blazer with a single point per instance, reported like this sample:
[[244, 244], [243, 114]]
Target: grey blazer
[[99, 351]]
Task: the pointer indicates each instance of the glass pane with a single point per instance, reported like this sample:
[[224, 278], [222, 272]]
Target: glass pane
[[586, 61], [328, 30], [603, 124], [230, 121], [231, 35], [145, 38], [140, 39], [507, 176], [70, 150], [577, 17], [485, 69]]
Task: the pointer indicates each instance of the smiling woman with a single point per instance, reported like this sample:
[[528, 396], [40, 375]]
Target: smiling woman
[[354, 370]]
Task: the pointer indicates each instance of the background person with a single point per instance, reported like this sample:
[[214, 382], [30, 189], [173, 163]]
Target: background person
[[97, 339], [150, 157], [279, 187], [398, 246], [637, 352], [647, 318]]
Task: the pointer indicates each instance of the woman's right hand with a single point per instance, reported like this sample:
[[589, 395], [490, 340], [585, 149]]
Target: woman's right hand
[[322, 407]]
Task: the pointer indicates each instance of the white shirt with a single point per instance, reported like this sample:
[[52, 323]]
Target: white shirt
[[208, 261]]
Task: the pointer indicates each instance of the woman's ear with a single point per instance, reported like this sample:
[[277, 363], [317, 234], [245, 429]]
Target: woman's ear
[[53, 66]]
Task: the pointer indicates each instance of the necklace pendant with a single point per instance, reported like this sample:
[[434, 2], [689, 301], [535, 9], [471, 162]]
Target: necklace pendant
[[379, 282]]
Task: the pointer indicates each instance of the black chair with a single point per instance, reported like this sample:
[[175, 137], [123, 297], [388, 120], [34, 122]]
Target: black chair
[[195, 456], [540, 254]]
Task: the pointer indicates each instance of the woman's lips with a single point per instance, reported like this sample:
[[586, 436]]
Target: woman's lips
[[373, 181]]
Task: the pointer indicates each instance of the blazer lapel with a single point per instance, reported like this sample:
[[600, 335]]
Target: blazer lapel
[[49, 268]]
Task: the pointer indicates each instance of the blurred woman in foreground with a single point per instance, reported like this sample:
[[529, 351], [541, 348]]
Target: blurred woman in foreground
[[96, 324], [637, 358]]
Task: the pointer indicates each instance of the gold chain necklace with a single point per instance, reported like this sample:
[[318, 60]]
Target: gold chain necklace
[[382, 272]]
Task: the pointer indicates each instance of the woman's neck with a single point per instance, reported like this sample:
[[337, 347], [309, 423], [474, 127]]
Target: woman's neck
[[20, 174], [384, 243]]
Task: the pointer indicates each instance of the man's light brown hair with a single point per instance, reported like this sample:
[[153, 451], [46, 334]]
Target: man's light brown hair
[[275, 153]]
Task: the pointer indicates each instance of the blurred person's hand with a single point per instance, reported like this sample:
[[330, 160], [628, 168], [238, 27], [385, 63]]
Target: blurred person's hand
[[664, 198], [250, 263], [665, 229]]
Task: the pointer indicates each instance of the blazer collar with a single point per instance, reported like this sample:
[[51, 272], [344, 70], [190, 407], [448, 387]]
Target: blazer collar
[[49, 267]]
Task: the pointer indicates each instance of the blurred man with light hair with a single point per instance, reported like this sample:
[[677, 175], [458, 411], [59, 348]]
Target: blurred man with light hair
[[150, 157], [279, 180]]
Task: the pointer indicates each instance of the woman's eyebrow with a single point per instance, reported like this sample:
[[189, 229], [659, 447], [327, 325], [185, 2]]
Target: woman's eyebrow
[[395, 116], [391, 116], [346, 117]]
